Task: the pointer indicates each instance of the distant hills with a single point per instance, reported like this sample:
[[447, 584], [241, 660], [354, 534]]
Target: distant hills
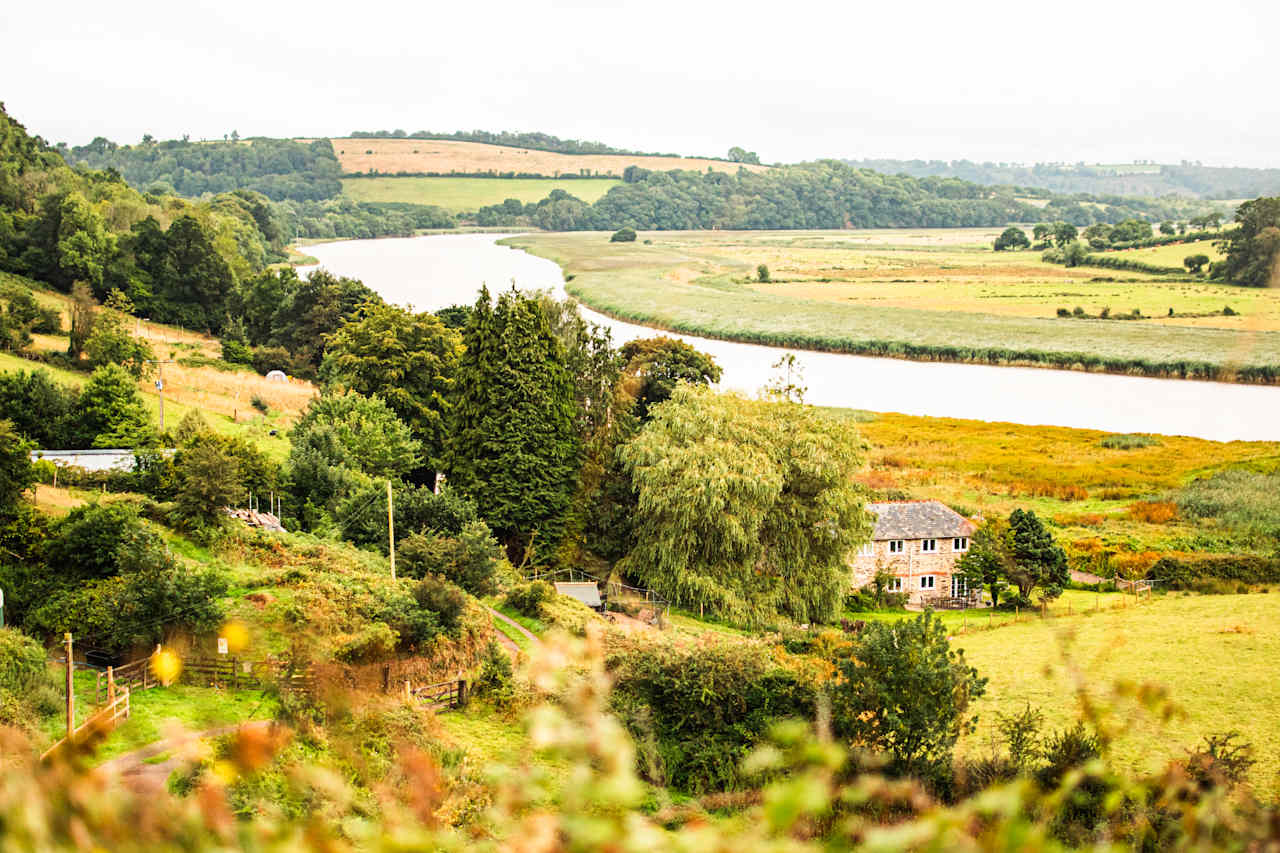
[[1150, 180]]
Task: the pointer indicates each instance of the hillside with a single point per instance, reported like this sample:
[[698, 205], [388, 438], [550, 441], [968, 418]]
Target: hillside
[[448, 157], [1150, 180]]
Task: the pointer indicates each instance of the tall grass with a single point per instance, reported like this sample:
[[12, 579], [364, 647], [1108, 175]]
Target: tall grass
[[1248, 501], [662, 288]]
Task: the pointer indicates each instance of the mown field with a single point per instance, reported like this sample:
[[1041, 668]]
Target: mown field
[[390, 156], [933, 290], [470, 194], [1215, 655]]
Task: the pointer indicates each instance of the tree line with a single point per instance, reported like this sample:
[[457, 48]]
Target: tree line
[[1191, 180], [825, 194], [278, 168]]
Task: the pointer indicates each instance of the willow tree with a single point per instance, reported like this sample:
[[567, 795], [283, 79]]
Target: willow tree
[[513, 446], [747, 508]]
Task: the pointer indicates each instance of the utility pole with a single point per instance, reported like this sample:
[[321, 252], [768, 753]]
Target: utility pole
[[391, 529], [71, 696], [159, 363]]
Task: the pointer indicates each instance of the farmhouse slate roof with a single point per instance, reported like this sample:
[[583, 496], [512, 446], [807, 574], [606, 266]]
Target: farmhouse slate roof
[[918, 520]]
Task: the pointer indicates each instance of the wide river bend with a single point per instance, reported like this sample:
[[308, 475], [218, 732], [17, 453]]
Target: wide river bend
[[432, 272]]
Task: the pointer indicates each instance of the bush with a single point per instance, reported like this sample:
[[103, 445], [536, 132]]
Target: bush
[[526, 599], [1202, 571], [471, 560], [697, 709], [22, 661], [260, 404], [236, 352], [1129, 441], [495, 681], [762, 273], [443, 599], [623, 235]]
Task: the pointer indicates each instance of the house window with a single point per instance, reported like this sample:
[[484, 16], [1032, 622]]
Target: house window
[[867, 549], [895, 546], [895, 585], [929, 546], [959, 586], [960, 544], [926, 581]]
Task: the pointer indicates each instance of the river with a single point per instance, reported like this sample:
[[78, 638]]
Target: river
[[428, 273]]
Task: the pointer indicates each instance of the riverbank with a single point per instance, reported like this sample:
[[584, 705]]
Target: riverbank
[[700, 284]]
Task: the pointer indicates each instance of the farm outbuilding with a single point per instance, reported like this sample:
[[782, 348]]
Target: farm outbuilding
[[587, 593]]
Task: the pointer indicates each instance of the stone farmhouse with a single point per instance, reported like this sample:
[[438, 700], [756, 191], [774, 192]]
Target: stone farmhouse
[[919, 542]]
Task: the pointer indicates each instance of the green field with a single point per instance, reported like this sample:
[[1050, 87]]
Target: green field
[[1171, 255], [469, 194], [1214, 654], [842, 291]]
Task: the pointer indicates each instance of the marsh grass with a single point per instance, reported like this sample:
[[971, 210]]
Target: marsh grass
[[692, 284]]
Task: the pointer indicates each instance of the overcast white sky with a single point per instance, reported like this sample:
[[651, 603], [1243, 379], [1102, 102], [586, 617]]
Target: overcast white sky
[[1106, 81]]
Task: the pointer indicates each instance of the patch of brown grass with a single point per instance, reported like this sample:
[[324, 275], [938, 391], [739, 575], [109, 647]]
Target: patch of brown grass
[[1153, 512]]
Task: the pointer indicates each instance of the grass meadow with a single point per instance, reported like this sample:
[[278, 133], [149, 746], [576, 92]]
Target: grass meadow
[[1214, 655], [1171, 255], [943, 294], [469, 194]]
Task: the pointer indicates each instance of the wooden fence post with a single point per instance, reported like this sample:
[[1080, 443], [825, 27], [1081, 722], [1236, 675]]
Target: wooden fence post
[[386, 678], [71, 691], [408, 693], [235, 673], [462, 692], [111, 686]]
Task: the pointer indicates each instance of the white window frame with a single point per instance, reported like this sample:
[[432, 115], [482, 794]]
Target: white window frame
[[928, 546], [959, 586], [960, 543], [929, 582], [895, 585], [897, 546], [867, 549]]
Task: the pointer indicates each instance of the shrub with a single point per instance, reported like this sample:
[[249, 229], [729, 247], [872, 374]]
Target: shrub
[[443, 599], [697, 709], [623, 235], [260, 404], [762, 273], [526, 599], [906, 693], [1064, 312], [1129, 441], [22, 662], [236, 352], [495, 680], [376, 641], [471, 559], [1208, 572], [567, 613]]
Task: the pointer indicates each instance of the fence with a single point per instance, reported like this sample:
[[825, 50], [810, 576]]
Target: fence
[[230, 672], [100, 723], [443, 695]]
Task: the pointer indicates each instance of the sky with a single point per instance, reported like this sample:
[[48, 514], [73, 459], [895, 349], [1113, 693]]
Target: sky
[[1100, 82]]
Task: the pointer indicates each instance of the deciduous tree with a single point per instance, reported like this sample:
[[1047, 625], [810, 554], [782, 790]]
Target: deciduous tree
[[745, 507]]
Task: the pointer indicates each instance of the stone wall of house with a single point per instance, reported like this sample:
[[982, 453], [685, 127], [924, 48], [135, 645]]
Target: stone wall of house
[[910, 565]]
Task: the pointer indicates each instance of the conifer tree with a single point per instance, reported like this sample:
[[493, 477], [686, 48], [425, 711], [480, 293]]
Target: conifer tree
[[514, 448]]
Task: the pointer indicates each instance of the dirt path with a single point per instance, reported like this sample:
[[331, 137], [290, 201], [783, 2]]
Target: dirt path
[[507, 641], [140, 769]]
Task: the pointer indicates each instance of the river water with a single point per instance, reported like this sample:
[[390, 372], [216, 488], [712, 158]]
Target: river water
[[428, 273]]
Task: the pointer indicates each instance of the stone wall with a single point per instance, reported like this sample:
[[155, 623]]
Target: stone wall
[[912, 563]]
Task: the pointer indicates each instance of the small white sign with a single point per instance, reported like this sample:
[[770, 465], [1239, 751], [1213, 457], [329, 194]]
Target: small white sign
[[159, 385], [222, 645]]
